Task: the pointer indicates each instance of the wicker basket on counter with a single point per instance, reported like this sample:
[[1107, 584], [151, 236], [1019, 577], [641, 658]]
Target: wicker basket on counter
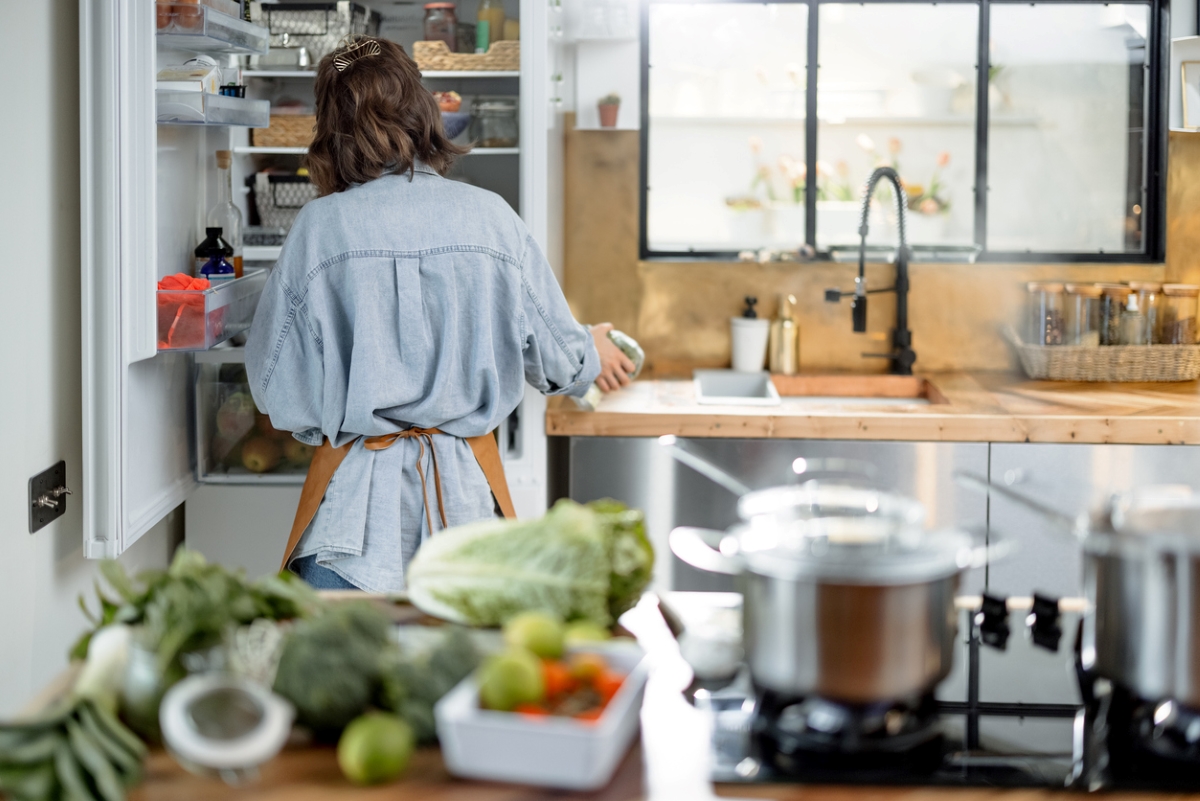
[[436, 56], [1111, 363], [287, 130]]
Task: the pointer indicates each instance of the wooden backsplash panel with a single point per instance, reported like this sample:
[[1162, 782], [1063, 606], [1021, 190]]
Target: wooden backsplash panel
[[680, 311]]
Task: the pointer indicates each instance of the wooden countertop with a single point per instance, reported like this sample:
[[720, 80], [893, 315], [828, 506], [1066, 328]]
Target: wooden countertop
[[967, 407], [669, 763]]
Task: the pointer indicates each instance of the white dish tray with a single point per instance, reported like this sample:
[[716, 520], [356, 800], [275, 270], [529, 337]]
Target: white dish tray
[[549, 752], [733, 388]]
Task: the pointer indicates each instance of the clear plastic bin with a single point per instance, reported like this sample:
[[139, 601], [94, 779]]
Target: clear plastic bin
[[200, 29], [235, 442], [194, 320], [1082, 315], [1149, 302], [1179, 314], [174, 107]]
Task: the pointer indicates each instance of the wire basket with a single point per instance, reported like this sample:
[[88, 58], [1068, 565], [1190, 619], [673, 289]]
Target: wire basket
[[1110, 363], [319, 27], [279, 198], [287, 130], [436, 56]]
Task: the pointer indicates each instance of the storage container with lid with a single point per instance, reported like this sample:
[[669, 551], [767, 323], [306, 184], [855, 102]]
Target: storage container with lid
[[1179, 314], [1045, 313], [1149, 294], [1082, 318], [441, 24], [1113, 298], [494, 122]]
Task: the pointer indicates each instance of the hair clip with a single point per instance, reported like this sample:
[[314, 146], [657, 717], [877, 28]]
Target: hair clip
[[356, 49]]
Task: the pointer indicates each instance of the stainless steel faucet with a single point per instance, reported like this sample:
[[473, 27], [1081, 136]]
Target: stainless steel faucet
[[902, 355]]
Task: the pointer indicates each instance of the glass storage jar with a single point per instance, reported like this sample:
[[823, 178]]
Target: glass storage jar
[[1149, 299], [1082, 315], [494, 122], [1112, 303], [1045, 313], [1179, 314], [441, 24]]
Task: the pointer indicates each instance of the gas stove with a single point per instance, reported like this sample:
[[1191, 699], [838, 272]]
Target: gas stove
[[1120, 741]]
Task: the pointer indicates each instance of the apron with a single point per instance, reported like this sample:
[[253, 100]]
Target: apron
[[327, 459]]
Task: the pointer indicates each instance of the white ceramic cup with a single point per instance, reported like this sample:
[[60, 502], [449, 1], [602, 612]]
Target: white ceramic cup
[[750, 337]]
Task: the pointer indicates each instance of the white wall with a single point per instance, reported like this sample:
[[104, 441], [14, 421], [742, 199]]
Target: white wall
[[40, 407]]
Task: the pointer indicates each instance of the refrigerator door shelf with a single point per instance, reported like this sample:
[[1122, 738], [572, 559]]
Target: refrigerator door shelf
[[201, 108], [200, 29], [193, 320]]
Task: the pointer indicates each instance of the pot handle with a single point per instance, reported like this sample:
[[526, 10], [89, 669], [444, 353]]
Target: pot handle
[[691, 545]]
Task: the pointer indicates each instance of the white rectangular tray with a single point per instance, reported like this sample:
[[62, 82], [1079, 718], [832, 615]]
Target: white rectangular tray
[[549, 752]]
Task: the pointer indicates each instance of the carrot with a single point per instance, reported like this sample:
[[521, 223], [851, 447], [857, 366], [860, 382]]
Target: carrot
[[533, 710], [557, 678], [607, 684]]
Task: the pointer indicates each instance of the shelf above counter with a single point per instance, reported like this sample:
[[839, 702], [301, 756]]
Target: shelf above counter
[[200, 29], [202, 108]]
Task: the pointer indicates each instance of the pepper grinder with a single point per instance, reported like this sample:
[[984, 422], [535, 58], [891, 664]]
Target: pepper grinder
[[784, 347]]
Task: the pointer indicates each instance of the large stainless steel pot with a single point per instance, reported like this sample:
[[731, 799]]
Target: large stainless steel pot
[[854, 609], [1142, 580]]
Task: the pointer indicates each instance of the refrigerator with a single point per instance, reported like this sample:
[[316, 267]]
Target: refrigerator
[[148, 178]]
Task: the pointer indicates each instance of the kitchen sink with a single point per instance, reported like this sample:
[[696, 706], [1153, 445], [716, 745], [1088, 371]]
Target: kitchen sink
[[859, 390]]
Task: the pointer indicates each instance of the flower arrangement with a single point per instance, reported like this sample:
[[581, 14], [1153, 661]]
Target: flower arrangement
[[928, 200]]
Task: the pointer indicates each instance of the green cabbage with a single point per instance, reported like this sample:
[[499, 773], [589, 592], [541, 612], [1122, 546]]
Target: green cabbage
[[580, 562]]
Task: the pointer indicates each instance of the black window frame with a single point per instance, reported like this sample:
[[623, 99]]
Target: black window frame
[[1154, 175]]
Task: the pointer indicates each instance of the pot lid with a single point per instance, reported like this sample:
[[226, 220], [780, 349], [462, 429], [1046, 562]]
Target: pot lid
[[815, 499], [850, 550]]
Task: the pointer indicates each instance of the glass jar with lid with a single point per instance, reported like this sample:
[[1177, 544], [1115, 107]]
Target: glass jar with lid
[[441, 24], [1045, 313], [1149, 299], [1113, 298], [1178, 313], [494, 122], [1082, 315]]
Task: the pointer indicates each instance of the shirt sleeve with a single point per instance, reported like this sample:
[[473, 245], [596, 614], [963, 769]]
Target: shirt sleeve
[[284, 362], [559, 353]]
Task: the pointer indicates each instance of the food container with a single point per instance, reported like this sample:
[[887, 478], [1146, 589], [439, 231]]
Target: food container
[[547, 751], [1113, 298], [198, 319], [1045, 308], [204, 28], [1179, 314], [851, 609], [441, 24], [1149, 294], [494, 122], [279, 198], [1082, 318], [235, 442], [318, 27], [185, 15]]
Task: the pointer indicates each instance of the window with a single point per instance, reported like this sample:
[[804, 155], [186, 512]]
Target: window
[[743, 102]]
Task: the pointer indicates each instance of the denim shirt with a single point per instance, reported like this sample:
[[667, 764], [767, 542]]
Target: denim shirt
[[408, 301]]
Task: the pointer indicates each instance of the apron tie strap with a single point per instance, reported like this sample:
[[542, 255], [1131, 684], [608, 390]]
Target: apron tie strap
[[422, 436]]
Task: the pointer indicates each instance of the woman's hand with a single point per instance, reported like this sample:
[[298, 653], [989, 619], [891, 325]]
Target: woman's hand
[[615, 366]]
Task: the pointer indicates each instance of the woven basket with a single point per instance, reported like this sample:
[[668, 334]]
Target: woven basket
[[437, 56], [1114, 363], [287, 130]]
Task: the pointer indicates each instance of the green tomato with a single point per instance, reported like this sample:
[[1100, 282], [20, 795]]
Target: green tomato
[[539, 632], [375, 748], [511, 678]]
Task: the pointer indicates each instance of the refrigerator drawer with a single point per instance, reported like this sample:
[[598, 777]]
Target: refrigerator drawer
[[192, 320], [235, 443]]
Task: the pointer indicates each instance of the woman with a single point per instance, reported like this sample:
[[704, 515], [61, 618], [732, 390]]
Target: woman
[[399, 327]]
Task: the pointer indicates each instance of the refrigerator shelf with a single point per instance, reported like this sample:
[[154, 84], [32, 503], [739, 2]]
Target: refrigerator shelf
[[200, 29], [194, 320], [201, 108]]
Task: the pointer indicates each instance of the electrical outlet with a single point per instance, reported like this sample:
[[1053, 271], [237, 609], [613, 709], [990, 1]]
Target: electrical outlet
[[48, 496]]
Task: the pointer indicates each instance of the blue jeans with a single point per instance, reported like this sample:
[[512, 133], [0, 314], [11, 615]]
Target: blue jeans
[[317, 576]]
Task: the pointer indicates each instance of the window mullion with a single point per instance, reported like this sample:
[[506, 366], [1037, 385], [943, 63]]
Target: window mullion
[[982, 83], [810, 126]]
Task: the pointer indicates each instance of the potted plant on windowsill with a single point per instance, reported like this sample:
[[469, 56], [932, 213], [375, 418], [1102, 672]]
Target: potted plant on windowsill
[[609, 107]]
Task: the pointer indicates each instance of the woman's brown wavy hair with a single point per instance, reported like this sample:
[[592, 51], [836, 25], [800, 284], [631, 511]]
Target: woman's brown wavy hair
[[373, 117]]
